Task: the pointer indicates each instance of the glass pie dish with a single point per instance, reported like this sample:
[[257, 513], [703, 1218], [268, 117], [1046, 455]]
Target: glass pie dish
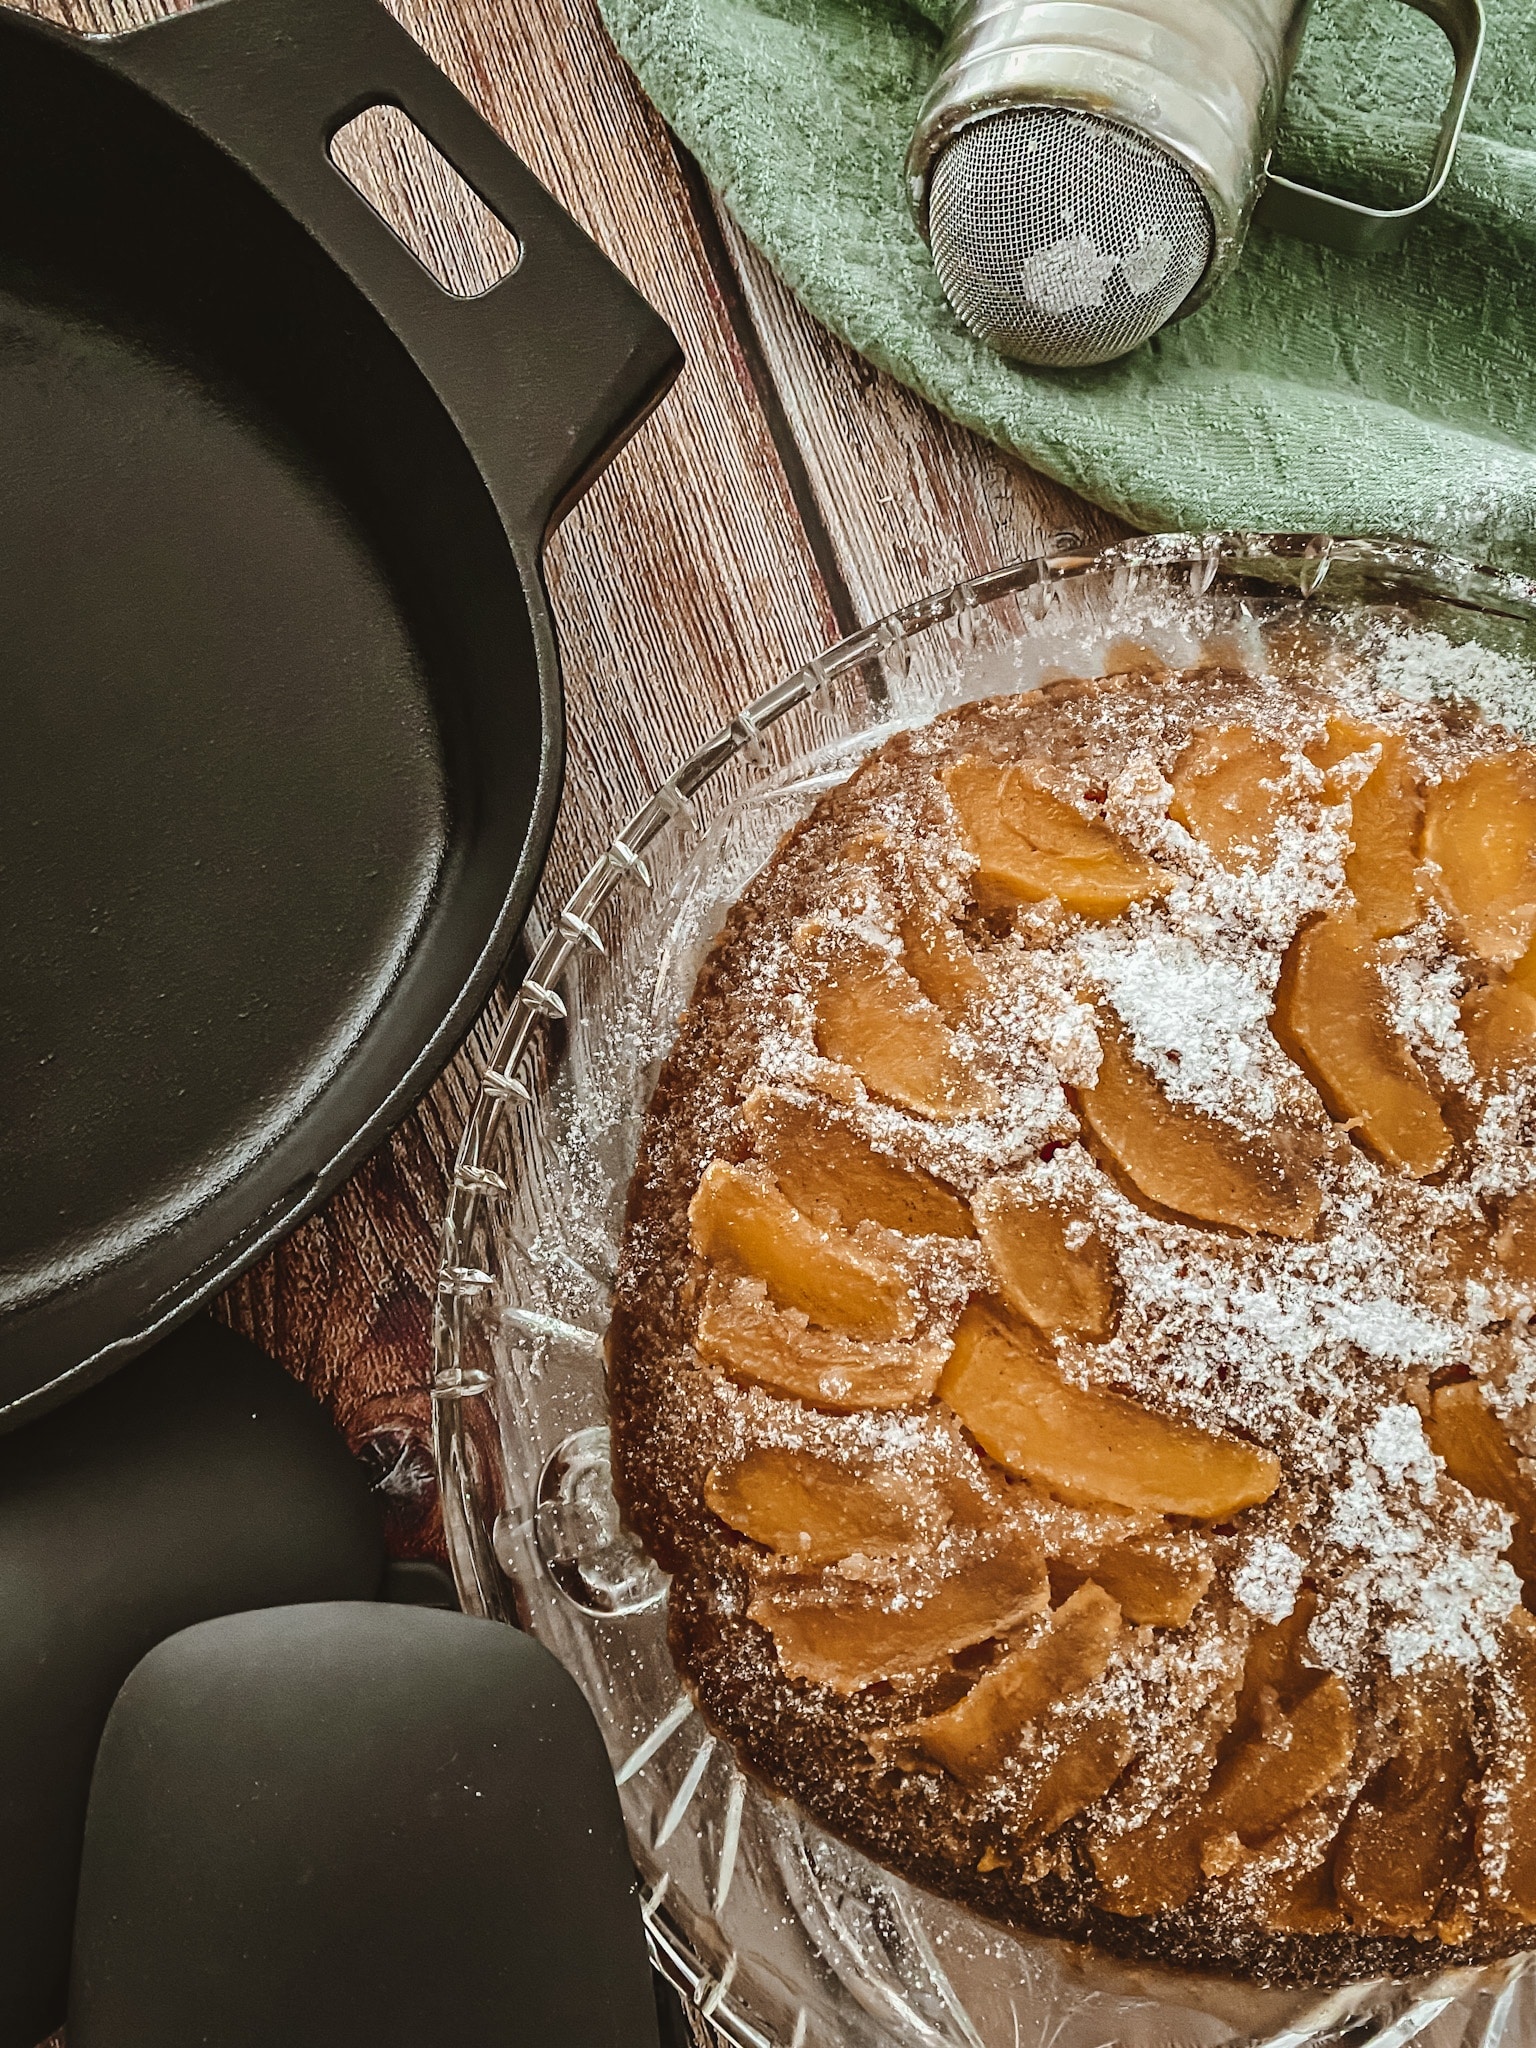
[[778, 1934]]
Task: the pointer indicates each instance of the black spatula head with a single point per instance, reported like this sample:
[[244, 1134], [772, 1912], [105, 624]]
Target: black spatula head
[[199, 1481], [348, 1826]]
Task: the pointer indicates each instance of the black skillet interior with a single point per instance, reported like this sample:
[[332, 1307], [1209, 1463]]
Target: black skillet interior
[[281, 741]]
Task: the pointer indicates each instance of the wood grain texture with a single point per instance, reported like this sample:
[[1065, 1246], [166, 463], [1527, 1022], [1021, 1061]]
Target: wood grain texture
[[912, 501], [781, 489], [441, 219]]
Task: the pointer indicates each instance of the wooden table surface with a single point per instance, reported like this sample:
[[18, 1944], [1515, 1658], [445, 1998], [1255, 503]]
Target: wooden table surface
[[783, 493]]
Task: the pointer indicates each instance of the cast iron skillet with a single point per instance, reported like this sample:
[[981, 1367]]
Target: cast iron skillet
[[280, 730]]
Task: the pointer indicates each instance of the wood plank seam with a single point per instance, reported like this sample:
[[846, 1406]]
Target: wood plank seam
[[750, 342]]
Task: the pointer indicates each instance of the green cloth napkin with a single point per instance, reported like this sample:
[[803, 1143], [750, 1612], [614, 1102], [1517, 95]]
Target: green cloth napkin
[[1316, 391]]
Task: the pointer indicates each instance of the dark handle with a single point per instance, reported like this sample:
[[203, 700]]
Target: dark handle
[[547, 372]]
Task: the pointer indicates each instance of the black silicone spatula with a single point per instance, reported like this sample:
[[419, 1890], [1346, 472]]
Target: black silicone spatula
[[198, 1481], [351, 1826]]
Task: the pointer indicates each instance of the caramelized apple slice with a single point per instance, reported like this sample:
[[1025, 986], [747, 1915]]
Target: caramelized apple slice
[[1299, 1901], [1050, 1265], [1284, 1766], [846, 1637], [1480, 830], [1453, 1253], [1515, 1245], [1084, 1772], [1087, 1444], [872, 1016], [1158, 1580], [973, 1739], [1331, 1016], [1231, 791], [743, 1220], [821, 1162], [1187, 1161], [1385, 816], [809, 1509], [1465, 1432], [1407, 1835], [1506, 1830], [1157, 1867], [1030, 844], [1344, 736], [1274, 1667], [1499, 1025], [942, 964], [1154, 1868], [748, 1339]]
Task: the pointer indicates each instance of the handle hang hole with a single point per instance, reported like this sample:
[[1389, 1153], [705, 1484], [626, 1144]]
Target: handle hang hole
[[418, 194]]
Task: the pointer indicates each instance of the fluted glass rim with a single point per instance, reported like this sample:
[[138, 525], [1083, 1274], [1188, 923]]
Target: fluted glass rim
[[1379, 570]]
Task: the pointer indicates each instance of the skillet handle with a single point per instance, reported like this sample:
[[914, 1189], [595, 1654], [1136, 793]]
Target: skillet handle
[[544, 375]]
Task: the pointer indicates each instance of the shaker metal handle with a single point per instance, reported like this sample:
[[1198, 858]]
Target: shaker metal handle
[[1359, 230]]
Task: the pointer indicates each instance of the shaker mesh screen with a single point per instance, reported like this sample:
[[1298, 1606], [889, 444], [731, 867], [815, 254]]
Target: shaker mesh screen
[[1062, 239]]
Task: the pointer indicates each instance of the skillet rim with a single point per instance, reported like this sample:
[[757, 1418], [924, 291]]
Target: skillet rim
[[179, 49]]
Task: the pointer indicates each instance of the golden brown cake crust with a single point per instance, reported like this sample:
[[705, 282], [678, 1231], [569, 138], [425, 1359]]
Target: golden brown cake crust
[[1167, 1710]]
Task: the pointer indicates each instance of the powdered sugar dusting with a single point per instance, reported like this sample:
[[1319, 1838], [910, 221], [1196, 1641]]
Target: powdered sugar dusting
[[1326, 1349], [1425, 982], [1199, 1020], [1418, 1568], [1295, 1346], [1269, 1578]]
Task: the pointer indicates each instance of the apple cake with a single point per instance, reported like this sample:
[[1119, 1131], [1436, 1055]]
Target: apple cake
[[1073, 1346]]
